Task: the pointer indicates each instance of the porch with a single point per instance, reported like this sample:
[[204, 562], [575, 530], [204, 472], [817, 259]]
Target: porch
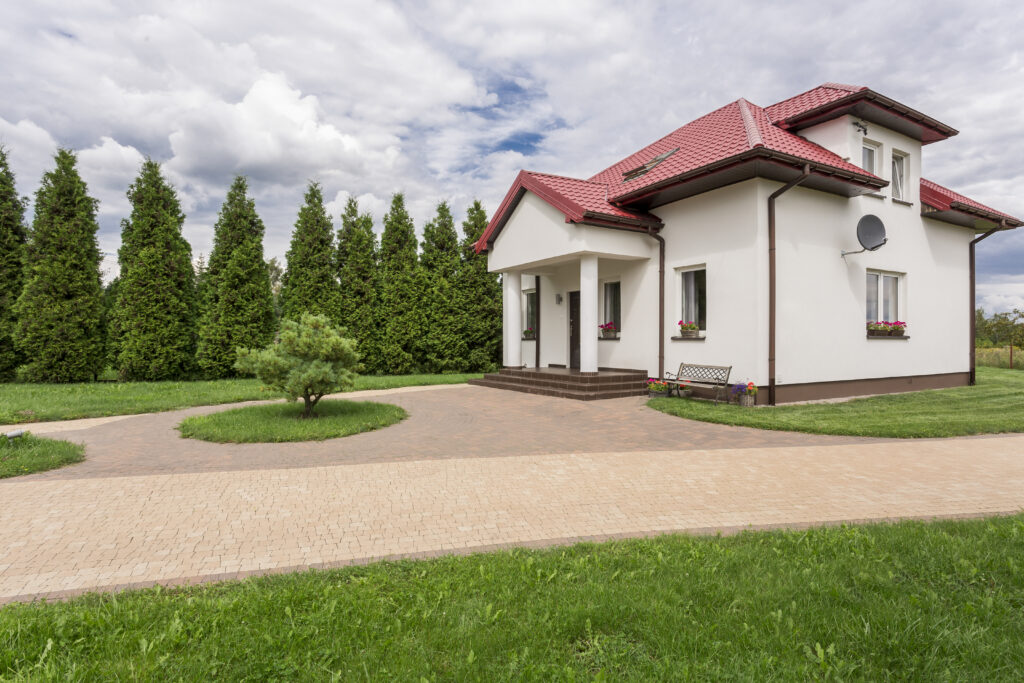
[[569, 383]]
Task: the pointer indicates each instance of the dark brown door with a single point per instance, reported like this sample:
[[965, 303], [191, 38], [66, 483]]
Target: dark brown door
[[574, 330]]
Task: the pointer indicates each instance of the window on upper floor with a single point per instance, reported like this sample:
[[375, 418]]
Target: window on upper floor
[[899, 175], [695, 297], [613, 304], [883, 296], [869, 156]]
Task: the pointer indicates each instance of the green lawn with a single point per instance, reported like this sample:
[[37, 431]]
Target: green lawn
[[46, 402], [994, 405], [913, 601], [276, 422], [27, 454]]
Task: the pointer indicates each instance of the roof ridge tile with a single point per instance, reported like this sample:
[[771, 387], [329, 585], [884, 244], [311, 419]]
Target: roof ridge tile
[[749, 125]]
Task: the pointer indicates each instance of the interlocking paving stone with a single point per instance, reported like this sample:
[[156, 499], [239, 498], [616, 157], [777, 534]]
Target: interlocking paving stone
[[473, 468]]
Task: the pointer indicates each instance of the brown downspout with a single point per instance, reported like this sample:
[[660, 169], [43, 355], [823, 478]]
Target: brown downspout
[[661, 301], [536, 344], [974, 330], [771, 276]]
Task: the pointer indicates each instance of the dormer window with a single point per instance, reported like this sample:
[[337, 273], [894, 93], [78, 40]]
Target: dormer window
[[899, 174], [868, 155]]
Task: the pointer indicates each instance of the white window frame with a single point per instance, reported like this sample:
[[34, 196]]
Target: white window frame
[[604, 300], [679, 291], [876, 154], [901, 306], [899, 189]]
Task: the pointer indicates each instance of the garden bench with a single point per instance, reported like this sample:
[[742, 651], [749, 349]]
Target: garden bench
[[711, 376]]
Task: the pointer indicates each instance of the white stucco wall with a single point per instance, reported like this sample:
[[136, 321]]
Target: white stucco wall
[[821, 296]]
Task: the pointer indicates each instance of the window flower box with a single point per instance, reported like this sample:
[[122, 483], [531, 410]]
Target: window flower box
[[608, 330], [688, 330]]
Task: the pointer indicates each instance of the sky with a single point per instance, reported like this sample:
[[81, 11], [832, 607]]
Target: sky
[[447, 100]]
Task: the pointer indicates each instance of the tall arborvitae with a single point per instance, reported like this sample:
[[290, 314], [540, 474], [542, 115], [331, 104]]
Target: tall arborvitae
[[442, 348], [238, 308], [155, 306], [478, 297], [12, 251], [359, 278], [309, 284], [401, 292], [59, 330]]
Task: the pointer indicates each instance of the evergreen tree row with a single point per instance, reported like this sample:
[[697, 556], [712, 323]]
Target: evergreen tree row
[[434, 309]]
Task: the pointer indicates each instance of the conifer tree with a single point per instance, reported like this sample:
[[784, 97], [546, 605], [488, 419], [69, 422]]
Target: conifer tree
[[309, 284], [442, 347], [401, 293], [59, 329], [238, 308], [478, 297], [155, 306], [359, 281], [12, 252]]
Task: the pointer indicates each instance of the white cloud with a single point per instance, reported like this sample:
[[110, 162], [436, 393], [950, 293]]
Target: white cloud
[[448, 100]]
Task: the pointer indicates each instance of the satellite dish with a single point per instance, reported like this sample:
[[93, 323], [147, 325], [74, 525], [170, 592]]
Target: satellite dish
[[870, 234]]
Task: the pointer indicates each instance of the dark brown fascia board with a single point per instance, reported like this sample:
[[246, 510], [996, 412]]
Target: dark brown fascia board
[[593, 218], [875, 98], [757, 152], [965, 216]]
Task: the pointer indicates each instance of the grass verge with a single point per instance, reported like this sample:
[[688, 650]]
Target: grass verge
[[910, 601], [281, 422], [46, 402], [994, 405], [27, 454]]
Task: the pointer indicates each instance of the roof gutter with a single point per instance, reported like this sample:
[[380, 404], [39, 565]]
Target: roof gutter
[[973, 373], [771, 275], [870, 182]]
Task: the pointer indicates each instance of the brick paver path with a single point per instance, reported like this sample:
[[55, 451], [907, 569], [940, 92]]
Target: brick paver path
[[472, 468]]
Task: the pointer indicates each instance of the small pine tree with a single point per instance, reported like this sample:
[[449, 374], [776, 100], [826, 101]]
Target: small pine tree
[[359, 280], [60, 310], [309, 284], [155, 309], [238, 307], [12, 252], [401, 293], [442, 347], [478, 297]]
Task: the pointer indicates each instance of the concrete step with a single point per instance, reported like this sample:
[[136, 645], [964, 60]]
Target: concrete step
[[577, 394]]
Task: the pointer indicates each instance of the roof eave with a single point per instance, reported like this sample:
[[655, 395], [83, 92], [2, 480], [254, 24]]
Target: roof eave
[[943, 130], [866, 181]]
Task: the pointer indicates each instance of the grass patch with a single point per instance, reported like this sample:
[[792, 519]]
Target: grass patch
[[995, 405], [27, 454], [938, 601], [45, 402], [281, 422]]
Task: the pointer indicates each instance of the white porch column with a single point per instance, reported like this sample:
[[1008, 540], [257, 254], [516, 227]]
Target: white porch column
[[588, 313], [512, 324]]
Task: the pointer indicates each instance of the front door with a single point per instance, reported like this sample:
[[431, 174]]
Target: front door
[[574, 330]]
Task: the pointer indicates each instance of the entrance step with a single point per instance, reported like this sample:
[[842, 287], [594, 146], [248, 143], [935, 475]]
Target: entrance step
[[563, 383]]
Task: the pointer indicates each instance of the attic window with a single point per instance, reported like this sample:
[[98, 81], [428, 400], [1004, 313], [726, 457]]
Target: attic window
[[640, 170]]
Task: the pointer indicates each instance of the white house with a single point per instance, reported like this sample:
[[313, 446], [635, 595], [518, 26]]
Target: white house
[[738, 221]]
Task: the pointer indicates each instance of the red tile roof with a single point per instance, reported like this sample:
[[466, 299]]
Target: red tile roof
[[728, 132], [826, 93], [944, 199]]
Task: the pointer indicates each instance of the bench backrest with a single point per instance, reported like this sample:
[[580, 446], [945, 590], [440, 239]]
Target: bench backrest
[[714, 374]]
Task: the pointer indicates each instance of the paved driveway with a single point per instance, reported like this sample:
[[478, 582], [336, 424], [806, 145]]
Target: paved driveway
[[472, 468]]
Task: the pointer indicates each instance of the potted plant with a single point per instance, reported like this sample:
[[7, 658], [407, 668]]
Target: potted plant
[[878, 329], [657, 387], [745, 394], [608, 330], [897, 328], [688, 330], [529, 333]]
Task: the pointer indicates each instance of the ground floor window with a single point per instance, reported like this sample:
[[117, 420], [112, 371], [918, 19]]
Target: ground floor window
[[695, 297], [613, 304], [882, 301], [531, 310]]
